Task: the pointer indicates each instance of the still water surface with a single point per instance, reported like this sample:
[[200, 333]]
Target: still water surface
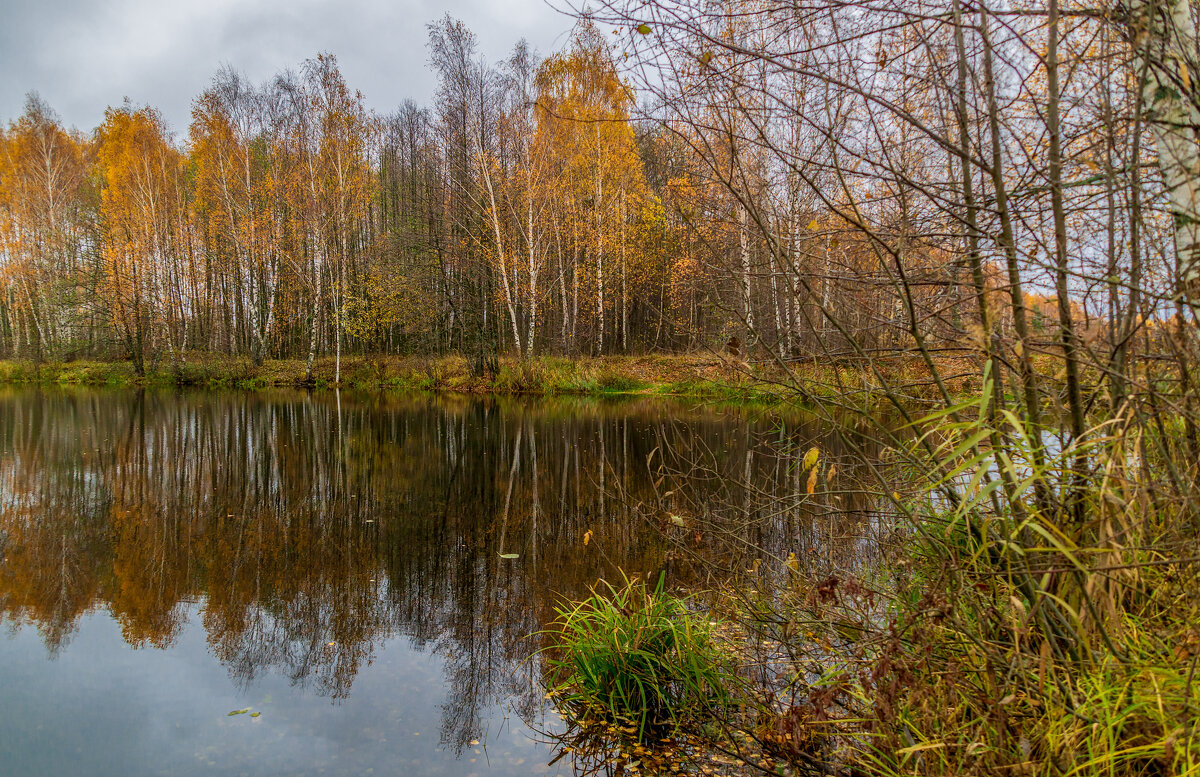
[[342, 566]]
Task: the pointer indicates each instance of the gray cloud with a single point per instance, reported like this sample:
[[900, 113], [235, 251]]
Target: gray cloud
[[83, 56]]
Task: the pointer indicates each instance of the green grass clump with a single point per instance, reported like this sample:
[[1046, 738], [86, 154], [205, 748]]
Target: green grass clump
[[521, 377], [638, 657], [616, 383], [1140, 717]]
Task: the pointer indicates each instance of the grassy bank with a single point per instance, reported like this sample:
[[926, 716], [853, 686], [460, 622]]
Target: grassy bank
[[706, 377], [980, 637]]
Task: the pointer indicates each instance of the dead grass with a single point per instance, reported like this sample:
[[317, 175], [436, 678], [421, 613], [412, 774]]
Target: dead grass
[[705, 376]]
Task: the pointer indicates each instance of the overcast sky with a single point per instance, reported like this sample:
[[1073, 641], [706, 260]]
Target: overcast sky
[[84, 55]]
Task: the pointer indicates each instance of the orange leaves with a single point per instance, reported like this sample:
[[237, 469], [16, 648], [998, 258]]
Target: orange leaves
[[141, 206], [140, 172], [43, 176], [811, 463]]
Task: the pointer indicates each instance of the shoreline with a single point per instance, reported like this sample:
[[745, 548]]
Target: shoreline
[[706, 377]]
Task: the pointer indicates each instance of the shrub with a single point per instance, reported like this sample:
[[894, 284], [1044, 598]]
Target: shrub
[[637, 657], [615, 382], [521, 377]]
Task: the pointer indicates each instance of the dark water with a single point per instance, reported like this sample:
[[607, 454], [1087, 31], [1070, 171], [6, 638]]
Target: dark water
[[337, 564]]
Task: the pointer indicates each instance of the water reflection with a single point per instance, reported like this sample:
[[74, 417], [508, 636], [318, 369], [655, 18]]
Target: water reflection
[[310, 534]]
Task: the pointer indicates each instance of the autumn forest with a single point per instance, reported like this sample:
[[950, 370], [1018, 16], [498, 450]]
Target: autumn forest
[[944, 253], [524, 213]]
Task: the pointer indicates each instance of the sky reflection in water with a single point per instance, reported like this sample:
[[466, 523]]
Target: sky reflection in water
[[333, 563]]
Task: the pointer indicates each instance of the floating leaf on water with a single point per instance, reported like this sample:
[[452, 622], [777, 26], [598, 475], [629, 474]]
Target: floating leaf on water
[[643, 29], [255, 714], [510, 555], [238, 712]]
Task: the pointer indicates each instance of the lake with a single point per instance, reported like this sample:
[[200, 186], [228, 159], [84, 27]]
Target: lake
[[360, 579]]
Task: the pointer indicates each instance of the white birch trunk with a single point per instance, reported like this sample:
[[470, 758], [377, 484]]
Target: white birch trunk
[[744, 241], [533, 278], [1170, 95], [599, 252], [508, 292]]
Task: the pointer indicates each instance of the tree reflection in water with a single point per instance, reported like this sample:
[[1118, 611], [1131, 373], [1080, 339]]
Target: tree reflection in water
[[310, 528]]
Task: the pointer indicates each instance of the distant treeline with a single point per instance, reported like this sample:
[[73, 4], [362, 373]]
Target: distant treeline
[[527, 212], [523, 213]]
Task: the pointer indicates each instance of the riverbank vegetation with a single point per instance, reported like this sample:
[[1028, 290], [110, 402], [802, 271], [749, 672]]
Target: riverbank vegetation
[[696, 376], [967, 237], [638, 658], [1026, 179]]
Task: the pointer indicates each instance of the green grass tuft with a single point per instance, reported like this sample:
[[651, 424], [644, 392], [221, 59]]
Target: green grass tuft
[[637, 657]]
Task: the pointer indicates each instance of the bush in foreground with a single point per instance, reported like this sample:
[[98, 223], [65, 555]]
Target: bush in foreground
[[637, 657]]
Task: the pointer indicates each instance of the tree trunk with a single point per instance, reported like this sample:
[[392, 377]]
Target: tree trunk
[[744, 245], [1169, 89]]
